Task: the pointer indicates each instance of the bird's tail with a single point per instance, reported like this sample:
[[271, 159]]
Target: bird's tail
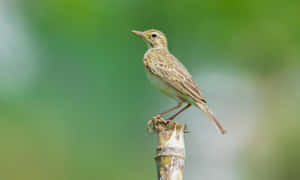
[[211, 116]]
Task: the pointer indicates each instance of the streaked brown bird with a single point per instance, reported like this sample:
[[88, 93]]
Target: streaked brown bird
[[170, 77]]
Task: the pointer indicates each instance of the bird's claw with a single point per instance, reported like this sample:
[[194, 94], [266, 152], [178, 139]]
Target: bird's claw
[[152, 124]]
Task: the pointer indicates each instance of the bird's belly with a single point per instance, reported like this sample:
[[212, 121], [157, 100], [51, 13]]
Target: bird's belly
[[163, 87]]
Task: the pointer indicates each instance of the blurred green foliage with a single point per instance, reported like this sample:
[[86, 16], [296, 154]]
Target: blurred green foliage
[[82, 114]]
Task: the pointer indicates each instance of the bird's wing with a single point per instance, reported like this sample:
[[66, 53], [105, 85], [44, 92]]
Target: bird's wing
[[172, 72]]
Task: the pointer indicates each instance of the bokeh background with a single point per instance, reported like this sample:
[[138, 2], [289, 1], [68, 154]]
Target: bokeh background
[[74, 98]]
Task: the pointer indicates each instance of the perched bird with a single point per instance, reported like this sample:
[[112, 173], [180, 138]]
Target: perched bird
[[170, 77]]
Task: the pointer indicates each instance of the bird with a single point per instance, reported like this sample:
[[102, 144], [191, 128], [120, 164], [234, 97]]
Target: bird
[[170, 76]]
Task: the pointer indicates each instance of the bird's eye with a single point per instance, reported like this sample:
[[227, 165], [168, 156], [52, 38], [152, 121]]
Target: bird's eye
[[153, 35]]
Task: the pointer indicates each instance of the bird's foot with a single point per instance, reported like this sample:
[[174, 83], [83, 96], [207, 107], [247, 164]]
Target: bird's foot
[[165, 121], [160, 119], [153, 123]]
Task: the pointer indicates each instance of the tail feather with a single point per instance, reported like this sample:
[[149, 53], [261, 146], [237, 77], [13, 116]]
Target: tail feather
[[211, 116]]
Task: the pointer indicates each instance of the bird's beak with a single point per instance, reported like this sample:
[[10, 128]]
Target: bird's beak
[[141, 34]]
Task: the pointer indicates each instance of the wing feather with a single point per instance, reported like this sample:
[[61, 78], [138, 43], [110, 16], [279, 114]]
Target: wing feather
[[173, 73]]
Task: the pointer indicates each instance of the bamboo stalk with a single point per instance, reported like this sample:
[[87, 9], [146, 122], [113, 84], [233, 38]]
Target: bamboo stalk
[[170, 151]]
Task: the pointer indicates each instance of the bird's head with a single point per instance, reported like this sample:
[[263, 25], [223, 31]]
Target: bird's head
[[154, 38]]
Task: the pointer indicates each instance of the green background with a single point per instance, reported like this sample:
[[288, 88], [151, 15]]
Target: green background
[[74, 98]]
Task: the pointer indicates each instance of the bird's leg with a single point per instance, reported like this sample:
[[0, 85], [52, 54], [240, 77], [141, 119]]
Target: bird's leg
[[169, 110], [180, 111], [150, 122]]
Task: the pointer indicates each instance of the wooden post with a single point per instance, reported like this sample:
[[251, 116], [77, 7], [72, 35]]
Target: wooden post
[[170, 151]]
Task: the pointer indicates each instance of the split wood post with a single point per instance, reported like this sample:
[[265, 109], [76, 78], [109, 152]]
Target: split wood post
[[170, 151]]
